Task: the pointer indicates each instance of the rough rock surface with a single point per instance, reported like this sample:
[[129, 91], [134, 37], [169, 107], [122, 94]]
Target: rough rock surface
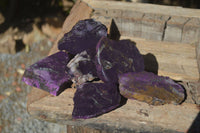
[[93, 99], [81, 68], [193, 92], [14, 117], [7, 44], [83, 36], [49, 73], [117, 57], [36, 35], [150, 88]]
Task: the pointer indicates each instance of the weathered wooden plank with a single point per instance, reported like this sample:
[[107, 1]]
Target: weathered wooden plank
[[173, 32], [144, 7], [176, 60], [153, 26], [134, 116], [132, 23], [131, 116], [191, 31], [79, 11], [83, 12]]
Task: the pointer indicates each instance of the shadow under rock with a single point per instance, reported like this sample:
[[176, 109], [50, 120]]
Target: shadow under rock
[[19, 45], [195, 127], [64, 86], [150, 63]]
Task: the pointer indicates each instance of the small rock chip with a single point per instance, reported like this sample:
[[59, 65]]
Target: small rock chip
[[93, 99], [83, 36], [49, 73], [18, 89], [117, 57], [150, 88], [81, 68], [1, 97]]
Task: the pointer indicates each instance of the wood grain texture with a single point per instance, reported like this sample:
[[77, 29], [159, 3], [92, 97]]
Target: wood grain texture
[[144, 7], [176, 60], [163, 23], [79, 11], [134, 116]]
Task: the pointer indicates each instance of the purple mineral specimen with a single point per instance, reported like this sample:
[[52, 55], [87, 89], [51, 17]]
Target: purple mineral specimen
[[117, 57], [150, 88], [93, 99], [81, 68], [83, 36], [49, 73]]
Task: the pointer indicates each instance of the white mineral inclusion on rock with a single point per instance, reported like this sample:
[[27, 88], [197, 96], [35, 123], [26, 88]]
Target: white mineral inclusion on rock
[[73, 65], [99, 61]]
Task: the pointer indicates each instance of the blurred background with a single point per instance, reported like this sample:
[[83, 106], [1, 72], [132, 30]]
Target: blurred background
[[28, 29]]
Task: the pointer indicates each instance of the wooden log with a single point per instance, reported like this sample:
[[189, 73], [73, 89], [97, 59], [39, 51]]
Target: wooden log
[[144, 8], [79, 11], [131, 23], [176, 60], [153, 26], [83, 12], [134, 116], [131, 117], [173, 32], [191, 31]]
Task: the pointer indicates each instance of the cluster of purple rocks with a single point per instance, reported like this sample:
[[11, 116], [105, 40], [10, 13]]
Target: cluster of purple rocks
[[87, 55]]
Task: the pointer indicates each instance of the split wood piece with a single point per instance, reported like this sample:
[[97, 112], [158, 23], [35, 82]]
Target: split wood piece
[[156, 23], [131, 23], [83, 12], [191, 31], [178, 61], [142, 7], [80, 11], [153, 26], [132, 116], [174, 29]]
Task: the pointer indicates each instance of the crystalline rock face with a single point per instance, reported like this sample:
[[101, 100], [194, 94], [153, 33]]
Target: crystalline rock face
[[83, 36], [81, 68], [49, 73], [117, 57], [150, 88], [93, 99]]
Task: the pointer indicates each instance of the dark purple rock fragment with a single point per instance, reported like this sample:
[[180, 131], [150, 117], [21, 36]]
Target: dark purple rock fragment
[[93, 99], [150, 88], [117, 57], [81, 68], [83, 36], [49, 73]]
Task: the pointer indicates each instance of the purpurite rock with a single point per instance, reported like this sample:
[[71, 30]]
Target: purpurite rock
[[93, 99], [49, 73], [81, 68], [150, 88], [117, 57], [83, 36]]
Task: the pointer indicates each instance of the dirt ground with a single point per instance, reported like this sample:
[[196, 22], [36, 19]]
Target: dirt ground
[[14, 117], [26, 36]]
